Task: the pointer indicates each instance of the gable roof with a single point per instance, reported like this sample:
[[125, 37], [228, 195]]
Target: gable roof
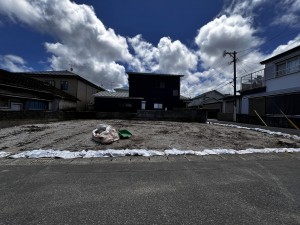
[[207, 98], [118, 94], [16, 80], [61, 73]]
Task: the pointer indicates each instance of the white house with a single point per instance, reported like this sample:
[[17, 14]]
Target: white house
[[275, 89]]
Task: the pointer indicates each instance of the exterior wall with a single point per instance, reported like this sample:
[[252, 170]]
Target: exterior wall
[[187, 115], [65, 105], [117, 104], [23, 104], [228, 107], [278, 78], [213, 109], [79, 89], [284, 82], [72, 83], [82, 96], [163, 90]]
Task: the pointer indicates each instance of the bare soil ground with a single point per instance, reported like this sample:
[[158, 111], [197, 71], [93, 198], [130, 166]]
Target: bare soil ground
[[159, 135]]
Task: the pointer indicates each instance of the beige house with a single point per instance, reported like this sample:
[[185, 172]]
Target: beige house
[[70, 83]]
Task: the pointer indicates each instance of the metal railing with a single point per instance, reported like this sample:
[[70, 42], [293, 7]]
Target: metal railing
[[253, 80]]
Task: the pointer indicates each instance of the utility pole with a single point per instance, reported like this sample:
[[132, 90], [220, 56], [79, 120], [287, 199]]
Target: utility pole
[[233, 55]]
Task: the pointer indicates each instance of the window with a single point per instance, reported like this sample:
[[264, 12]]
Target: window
[[175, 93], [158, 106], [50, 82], [160, 84], [64, 85], [288, 67], [37, 105], [4, 102], [280, 69], [292, 65]]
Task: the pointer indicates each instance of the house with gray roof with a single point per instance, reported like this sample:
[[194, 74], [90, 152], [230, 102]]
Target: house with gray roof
[[22, 93], [210, 101], [70, 83]]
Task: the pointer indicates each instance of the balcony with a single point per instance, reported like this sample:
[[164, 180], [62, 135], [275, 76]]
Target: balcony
[[253, 80]]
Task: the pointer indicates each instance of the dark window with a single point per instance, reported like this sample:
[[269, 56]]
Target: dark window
[[160, 84], [37, 105], [175, 93], [280, 69], [64, 85], [50, 82], [4, 102]]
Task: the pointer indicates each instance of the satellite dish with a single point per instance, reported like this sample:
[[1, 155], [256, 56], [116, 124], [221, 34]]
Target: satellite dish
[[224, 53], [71, 69]]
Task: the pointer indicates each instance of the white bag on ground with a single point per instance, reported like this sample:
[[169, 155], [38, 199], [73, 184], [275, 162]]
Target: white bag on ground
[[105, 134]]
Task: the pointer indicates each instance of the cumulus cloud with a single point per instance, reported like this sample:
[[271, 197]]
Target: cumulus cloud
[[231, 33], [100, 55], [13, 63], [167, 57], [175, 57], [146, 55], [83, 40]]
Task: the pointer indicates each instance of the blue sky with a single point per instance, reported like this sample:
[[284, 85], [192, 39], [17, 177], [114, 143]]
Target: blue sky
[[104, 39]]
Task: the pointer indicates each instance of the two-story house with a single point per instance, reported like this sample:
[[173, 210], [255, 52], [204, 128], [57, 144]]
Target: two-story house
[[160, 91], [70, 83], [275, 90], [211, 101], [22, 93], [147, 91]]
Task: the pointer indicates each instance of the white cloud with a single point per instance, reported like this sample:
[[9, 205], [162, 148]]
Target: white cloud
[[175, 57], [82, 38], [13, 63], [99, 54], [242, 7], [282, 48], [146, 55], [231, 33], [288, 13]]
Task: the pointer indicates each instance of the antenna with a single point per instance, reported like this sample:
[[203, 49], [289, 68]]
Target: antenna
[[71, 66]]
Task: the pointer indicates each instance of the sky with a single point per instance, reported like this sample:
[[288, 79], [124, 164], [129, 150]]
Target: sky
[[102, 40]]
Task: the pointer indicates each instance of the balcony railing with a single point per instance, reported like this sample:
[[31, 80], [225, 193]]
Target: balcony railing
[[253, 80]]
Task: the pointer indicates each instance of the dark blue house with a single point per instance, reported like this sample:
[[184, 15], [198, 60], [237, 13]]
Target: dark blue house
[[147, 91]]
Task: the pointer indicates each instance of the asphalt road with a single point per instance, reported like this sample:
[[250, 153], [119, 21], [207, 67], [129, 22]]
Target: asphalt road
[[233, 189]]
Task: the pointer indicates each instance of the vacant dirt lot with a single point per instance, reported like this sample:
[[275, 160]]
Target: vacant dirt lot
[[76, 135]]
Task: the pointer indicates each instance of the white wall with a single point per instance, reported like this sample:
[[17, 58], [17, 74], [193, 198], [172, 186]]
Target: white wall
[[284, 82]]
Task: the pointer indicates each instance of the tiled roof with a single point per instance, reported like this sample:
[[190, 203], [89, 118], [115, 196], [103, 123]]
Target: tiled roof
[[207, 98], [61, 73], [183, 98], [108, 94], [119, 94], [26, 83]]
